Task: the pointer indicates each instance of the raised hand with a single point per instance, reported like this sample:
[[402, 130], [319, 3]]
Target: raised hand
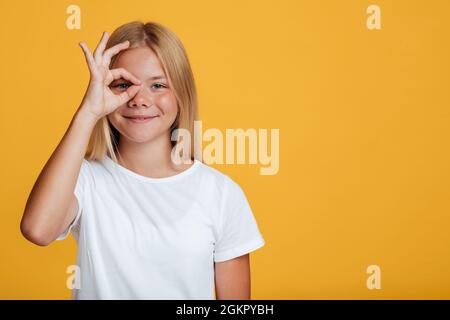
[[99, 100]]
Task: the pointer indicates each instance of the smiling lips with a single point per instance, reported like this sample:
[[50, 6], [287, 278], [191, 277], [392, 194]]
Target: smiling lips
[[140, 119]]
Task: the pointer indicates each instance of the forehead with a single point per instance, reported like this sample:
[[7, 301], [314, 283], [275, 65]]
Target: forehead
[[141, 62]]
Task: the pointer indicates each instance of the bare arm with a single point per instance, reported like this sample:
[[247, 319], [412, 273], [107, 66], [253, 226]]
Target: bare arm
[[51, 206], [232, 279]]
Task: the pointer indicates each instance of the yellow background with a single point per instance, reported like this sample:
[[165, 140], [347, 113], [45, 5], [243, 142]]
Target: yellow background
[[364, 134]]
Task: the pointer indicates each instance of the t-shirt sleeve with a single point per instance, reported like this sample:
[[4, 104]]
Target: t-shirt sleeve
[[238, 230], [79, 192]]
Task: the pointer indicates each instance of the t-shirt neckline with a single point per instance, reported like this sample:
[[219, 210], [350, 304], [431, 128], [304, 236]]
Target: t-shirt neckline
[[131, 173]]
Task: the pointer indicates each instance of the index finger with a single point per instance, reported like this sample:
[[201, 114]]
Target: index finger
[[125, 74]]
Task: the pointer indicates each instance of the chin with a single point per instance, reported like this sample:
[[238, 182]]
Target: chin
[[140, 137]]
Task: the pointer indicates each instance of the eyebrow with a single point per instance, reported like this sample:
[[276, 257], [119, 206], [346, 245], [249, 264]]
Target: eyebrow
[[151, 78], [157, 77]]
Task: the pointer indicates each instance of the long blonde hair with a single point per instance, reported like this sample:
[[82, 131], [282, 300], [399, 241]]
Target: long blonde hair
[[172, 55]]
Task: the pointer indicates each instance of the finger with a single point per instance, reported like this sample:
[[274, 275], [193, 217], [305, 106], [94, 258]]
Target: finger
[[123, 73], [109, 53], [88, 55], [98, 53], [128, 94]]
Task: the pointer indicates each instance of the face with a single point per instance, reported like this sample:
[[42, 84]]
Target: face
[[154, 99]]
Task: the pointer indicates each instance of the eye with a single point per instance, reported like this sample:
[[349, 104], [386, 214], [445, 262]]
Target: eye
[[160, 85], [126, 85], [120, 85]]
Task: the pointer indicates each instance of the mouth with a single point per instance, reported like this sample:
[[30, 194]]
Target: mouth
[[140, 119]]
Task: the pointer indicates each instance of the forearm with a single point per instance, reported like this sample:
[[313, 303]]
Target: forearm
[[51, 194]]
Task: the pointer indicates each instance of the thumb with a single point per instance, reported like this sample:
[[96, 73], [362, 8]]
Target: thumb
[[129, 93]]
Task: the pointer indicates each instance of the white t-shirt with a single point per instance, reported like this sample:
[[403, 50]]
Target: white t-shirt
[[157, 238]]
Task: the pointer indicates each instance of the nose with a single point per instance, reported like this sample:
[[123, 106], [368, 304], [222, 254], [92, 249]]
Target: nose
[[142, 99]]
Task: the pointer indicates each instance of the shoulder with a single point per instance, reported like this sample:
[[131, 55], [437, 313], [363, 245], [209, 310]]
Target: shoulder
[[224, 182], [92, 170], [89, 166]]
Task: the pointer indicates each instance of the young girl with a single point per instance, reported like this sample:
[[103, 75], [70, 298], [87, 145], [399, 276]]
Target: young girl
[[146, 226]]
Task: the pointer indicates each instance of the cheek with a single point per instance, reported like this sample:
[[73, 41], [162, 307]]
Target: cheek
[[168, 104], [114, 119]]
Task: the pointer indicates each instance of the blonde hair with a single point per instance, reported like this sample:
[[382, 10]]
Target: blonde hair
[[172, 55]]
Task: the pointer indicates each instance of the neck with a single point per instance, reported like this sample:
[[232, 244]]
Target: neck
[[152, 158]]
